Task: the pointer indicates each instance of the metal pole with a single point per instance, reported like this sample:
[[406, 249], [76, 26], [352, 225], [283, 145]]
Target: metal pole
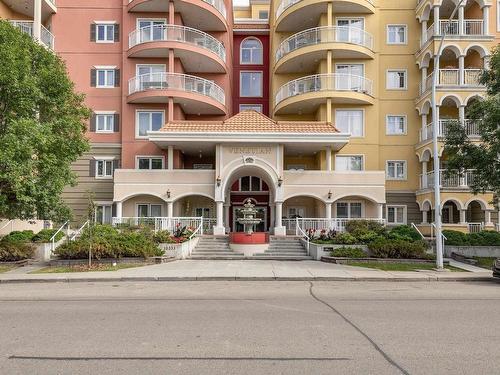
[[435, 146]]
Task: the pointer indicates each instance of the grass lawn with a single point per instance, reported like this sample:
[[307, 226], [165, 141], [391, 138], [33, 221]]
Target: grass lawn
[[485, 262], [400, 266], [85, 268], [5, 268]]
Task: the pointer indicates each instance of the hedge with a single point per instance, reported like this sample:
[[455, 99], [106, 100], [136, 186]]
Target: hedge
[[11, 251], [483, 238], [398, 249]]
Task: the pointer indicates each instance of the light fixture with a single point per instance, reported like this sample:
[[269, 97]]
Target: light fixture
[[168, 193], [218, 180], [201, 156], [330, 194], [280, 181]]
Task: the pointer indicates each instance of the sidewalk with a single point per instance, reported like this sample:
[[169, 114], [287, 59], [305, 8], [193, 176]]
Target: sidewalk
[[190, 270]]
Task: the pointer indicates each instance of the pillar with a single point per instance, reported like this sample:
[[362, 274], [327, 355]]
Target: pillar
[[219, 229], [226, 217], [171, 13], [424, 174], [170, 209], [328, 158], [170, 158], [279, 229], [424, 217], [423, 122], [486, 23], [424, 79], [329, 12], [487, 218], [461, 71], [424, 31], [380, 211], [461, 25], [461, 114], [119, 209], [37, 20], [463, 216], [436, 20], [328, 210]]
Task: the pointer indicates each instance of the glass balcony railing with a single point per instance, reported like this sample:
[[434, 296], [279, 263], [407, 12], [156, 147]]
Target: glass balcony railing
[[46, 36]]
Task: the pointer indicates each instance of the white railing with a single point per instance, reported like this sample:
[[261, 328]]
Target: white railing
[[450, 77], [324, 82], [448, 27], [475, 227], [471, 128], [443, 237], [471, 76], [325, 34], [418, 230], [176, 33], [79, 231], [199, 225], [217, 4], [11, 222], [454, 180], [470, 27], [53, 238], [176, 81], [46, 36], [319, 224], [473, 27]]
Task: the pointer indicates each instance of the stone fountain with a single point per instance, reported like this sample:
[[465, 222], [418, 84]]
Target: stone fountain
[[249, 218]]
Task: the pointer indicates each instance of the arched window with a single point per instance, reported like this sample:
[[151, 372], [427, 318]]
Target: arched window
[[251, 51]]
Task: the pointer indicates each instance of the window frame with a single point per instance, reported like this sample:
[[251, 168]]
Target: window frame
[[105, 69], [104, 204], [162, 208], [396, 206], [105, 24], [405, 125], [105, 160], [362, 119], [251, 54], [405, 170], [251, 109], [404, 26], [137, 113], [362, 156], [111, 114], [405, 71], [150, 157], [261, 73], [349, 202]]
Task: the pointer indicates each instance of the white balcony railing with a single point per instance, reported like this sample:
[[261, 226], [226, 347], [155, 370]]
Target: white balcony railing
[[325, 82], [176, 33], [217, 4], [325, 34], [452, 77], [319, 224], [175, 81], [454, 180], [46, 36], [470, 27], [471, 128]]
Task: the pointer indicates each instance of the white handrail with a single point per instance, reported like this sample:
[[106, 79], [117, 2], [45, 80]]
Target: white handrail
[[53, 238], [199, 229], [304, 235], [77, 232], [7, 223], [418, 230]]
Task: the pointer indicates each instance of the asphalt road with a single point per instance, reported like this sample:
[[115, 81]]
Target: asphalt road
[[250, 328]]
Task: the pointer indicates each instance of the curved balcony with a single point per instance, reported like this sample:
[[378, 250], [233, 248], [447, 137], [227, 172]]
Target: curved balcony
[[204, 14], [294, 15], [301, 52], [196, 95], [198, 51], [305, 94]]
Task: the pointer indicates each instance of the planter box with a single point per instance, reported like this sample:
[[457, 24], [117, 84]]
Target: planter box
[[318, 251], [72, 262], [179, 250], [341, 260], [43, 250], [473, 251]]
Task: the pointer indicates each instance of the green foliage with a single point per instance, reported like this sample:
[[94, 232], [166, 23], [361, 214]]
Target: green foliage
[[398, 249], [42, 128], [404, 232], [11, 251], [163, 236], [348, 252], [46, 234], [483, 238], [361, 226], [344, 239], [18, 236], [464, 154], [108, 242]]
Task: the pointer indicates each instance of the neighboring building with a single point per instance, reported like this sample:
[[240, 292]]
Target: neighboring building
[[345, 84]]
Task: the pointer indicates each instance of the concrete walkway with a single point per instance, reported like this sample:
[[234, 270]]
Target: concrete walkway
[[188, 270]]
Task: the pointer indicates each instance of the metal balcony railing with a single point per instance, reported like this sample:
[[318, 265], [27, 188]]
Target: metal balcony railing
[[454, 180], [176, 33], [325, 82], [471, 129], [175, 81], [46, 36], [452, 77], [471, 27], [325, 34]]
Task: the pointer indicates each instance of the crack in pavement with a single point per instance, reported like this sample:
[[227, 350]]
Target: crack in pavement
[[370, 340]]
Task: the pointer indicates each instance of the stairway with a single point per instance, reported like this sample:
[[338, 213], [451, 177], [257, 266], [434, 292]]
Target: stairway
[[284, 248], [211, 247]]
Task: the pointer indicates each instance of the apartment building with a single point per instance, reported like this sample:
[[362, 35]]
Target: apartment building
[[311, 108]]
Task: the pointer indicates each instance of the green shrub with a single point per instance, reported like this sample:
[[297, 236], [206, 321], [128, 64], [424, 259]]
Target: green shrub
[[360, 226], [455, 238], [348, 252], [405, 233], [11, 251], [365, 237], [19, 236], [46, 234], [344, 239], [163, 236], [398, 249], [484, 238]]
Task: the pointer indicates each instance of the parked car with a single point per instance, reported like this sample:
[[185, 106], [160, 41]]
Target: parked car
[[496, 268]]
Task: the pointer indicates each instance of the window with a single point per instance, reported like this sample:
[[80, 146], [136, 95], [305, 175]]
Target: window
[[249, 183], [349, 210], [104, 123], [105, 77], [351, 30], [251, 84], [396, 34], [105, 33], [103, 213], [263, 14], [349, 163], [396, 79], [149, 162], [351, 77], [294, 212], [350, 121], [396, 214], [148, 120], [149, 210], [396, 170], [251, 51], [104, 168], [395, 125], [151, 29], [251, 107], [202, 212]]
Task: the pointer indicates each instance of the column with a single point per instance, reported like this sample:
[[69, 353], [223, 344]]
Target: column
[[119, 209], [170, 158], [37, 20], [424, 79], [328, 210], [424, 32], [486, 18], [463, 216], [170, 209], [487, 218], [424, 174], [461, 26], [279, 229], [423, 131], [226, 217], [436, 21], [380, 211], [328, 158], [437, 126], [219, 229], [461, 71], [424, 217], [171, 13], [461, 114]]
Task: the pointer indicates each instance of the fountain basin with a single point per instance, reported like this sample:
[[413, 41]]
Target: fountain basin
[[249, 244]]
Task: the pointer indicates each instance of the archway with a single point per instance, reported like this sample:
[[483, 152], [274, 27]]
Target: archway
[[302, 206], [450, 212]]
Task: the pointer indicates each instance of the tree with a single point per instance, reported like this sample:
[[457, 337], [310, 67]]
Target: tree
[[42, 128], [483, 156]]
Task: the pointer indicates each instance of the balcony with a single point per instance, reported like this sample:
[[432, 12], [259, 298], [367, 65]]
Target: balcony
[[301, 51], [454, 77], [295, 15], [453, 29], [204, 15], [196, 95], [46, 37], [471, 129], [199, 52], [305, 94], [454, 181], [27, 8]]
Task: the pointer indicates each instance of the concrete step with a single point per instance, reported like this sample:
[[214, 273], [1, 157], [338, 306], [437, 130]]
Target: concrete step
[[274, 257], [201, 251]]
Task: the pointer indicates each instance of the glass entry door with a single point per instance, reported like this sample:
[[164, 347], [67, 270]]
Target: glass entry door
[[351, 30], [350, 77], [261, 214], [151, 30]]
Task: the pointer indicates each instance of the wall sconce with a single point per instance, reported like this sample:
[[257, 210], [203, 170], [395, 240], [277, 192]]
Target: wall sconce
[[280, 182], [218, 181], [330, 194], [168, 193]]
